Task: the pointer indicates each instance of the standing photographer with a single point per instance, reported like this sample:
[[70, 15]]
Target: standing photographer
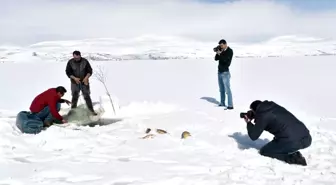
[[290, 134], [224, 56]]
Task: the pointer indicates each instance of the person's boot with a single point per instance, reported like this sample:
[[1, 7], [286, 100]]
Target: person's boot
[[90, 106], [296, 158], [300, 159], [221, 105], [94, 113], [47, 123]]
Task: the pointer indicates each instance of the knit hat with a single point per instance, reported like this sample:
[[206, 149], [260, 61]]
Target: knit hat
[[222, 41], [254, 105]]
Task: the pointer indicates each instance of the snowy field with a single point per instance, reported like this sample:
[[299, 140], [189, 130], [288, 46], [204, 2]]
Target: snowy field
[[177, 96]]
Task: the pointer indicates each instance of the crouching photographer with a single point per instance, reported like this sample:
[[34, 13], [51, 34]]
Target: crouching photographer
[[290, 134]]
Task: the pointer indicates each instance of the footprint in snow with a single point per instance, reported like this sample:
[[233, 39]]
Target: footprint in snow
[[124, 159], [125, 181], [21, 160], [61, 176], [47, 176], [83, 178]]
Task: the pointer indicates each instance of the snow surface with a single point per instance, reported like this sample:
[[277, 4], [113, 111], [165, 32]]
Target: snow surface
[[151, 47], [176, 96]]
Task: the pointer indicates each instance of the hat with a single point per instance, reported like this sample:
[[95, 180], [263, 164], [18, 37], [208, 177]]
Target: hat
[[222, 41], [254, 105]]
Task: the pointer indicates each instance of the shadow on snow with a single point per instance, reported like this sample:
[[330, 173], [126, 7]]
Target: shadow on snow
[[244, 142]]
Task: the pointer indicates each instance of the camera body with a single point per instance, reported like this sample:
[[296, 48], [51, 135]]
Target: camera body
[[249, 114], [243, 114], [217, 48]]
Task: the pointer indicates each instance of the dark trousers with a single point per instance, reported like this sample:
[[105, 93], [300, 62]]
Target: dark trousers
[[282, 149], [45, 114], [75, 90]]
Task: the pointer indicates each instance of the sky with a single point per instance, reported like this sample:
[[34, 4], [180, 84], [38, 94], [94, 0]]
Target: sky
[[304, 5], [27, 22]]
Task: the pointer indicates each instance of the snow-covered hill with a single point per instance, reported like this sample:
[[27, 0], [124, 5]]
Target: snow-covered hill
[[158, 47]]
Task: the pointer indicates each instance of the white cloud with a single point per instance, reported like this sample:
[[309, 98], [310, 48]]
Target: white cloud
[[38, 20]]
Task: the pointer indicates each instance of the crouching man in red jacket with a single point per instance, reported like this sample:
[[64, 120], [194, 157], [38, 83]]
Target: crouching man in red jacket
[[47, 105]]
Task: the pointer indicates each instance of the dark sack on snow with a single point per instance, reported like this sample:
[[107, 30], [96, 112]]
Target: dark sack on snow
[[28, 123]]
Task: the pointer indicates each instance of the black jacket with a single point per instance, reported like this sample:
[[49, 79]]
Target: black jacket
[[78, 69], [278, 121], [224, 59]]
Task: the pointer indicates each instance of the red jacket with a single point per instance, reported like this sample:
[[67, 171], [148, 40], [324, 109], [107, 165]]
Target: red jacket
[[47, 98]]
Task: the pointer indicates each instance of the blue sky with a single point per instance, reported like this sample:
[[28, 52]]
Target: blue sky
[[314, 5], [305, 5], [25, 23]]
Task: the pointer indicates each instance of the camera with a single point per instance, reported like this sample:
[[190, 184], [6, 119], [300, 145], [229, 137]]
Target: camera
[[249, 114], [217, 48], [243, 114]]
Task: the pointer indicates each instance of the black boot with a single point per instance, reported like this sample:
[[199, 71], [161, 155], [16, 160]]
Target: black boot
[[89, 105], [94, 113], [47, 123], [296, 158]]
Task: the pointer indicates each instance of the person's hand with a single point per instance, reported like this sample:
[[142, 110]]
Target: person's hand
[[246, 119], [86, 81], [219, 52], [67, 102], [77, 80], [64, 121]]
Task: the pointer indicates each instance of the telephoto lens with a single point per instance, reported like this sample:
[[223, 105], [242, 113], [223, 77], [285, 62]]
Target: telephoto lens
[[243, 114], [217, 48]]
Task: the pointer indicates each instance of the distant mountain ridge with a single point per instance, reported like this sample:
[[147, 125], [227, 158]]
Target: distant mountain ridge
[[163, 48]]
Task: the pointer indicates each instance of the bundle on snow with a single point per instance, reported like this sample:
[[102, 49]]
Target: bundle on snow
[[28, 123]]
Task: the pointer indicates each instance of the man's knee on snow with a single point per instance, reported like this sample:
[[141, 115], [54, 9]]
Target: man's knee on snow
[[263, 152], [307, 141]]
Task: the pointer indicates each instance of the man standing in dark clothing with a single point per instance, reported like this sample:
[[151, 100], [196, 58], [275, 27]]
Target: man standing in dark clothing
[[224, 55], [290, 134], [79, 71]]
